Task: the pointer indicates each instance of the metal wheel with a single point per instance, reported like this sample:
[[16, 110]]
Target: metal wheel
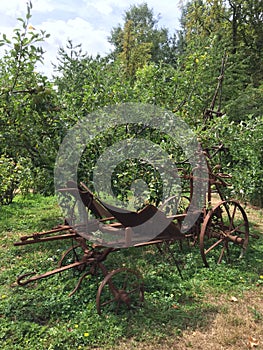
[[120, 286], [73, 254], [224, 233]]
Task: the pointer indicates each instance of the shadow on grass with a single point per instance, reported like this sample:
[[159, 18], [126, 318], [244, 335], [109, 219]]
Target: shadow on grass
[[49, 307]]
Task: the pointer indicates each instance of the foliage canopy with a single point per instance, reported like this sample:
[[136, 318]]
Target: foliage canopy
[[147, 64]]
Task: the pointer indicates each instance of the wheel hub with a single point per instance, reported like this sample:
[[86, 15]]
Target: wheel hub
[[124, 297]]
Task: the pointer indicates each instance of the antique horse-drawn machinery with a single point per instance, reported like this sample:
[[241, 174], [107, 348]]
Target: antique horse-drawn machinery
[[221, 229]]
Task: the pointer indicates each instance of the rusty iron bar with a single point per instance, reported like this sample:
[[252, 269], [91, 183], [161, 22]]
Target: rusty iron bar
[[46, 274], [36, 235], [91, 257], [46, 239]]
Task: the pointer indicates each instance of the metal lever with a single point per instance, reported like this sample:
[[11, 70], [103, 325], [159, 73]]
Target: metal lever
[[22, 281]]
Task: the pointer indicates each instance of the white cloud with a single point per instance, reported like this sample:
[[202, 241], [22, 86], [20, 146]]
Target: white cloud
[[88, 22], [13, 7], [44, 6], [170, 12], [79, 31], [101, 6], [93, 40]]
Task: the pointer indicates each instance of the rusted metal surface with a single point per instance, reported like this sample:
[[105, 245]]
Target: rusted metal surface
[[218, 228], [120, 292]]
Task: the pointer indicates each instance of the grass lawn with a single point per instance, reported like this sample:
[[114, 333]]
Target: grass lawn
[[220, 307]]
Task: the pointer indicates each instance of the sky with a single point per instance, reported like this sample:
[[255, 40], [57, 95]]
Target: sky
[[86, 22]]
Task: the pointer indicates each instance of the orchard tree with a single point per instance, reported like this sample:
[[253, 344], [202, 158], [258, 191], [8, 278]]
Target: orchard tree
[[29, 122], [232, 29], [135, 53], [94, 83]]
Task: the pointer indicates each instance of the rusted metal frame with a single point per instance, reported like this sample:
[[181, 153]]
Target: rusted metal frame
[[72, 248], [208, 115], [91, 257], [46, 274], [216, 179], [234, 239], [118, 295], [47, 239], [77, 287], [169, 252], [37, 235], [95, 259]]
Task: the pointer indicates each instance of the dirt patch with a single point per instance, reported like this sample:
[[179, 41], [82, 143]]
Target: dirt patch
[[255, 218], [237, 325]]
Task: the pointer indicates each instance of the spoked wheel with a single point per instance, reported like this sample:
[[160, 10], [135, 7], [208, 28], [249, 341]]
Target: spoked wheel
[[224, 233], [121, 286], [73, 254]]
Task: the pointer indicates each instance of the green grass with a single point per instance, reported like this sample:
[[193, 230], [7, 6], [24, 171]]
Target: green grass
[[42, 316]]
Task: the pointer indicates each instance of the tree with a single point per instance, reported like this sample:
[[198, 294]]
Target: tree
[[247, 32], [29, 123], [135, 54], [35, 113], [233, 28], [140, 28], [94, 83]]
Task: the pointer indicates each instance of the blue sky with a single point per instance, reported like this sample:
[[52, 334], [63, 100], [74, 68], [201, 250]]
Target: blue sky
[[88, 22]]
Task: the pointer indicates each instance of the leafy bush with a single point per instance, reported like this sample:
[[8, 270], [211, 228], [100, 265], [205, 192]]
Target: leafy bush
[[247, 159], [248, 103], [242, 158], [14, 176]]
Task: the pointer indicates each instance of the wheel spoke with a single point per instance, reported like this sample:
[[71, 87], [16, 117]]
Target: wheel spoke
[[232, 217], [133, 290], [108, 302], [221, 255], [124, 286], [236, 229], [118, 306], [214, 245]]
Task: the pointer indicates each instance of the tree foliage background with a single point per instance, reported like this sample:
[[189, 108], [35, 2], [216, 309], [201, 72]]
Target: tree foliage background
[[178, 71]]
